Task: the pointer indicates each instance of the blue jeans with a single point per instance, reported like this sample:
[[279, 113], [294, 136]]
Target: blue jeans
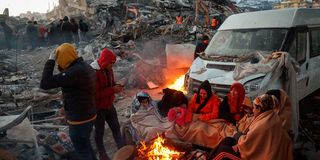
[[80, 136]]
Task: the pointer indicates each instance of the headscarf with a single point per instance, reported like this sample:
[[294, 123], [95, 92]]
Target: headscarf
[[65, 54], [106, 58], [247, 102], [266, 102], [235, 104]]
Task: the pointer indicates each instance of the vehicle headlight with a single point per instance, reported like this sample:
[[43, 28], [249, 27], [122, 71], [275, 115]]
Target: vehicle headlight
[[253, 85]]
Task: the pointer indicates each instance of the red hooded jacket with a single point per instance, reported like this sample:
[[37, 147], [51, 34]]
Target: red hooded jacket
[[105, 80]]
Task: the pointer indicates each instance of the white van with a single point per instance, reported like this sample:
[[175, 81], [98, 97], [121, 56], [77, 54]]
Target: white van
[[296, 31]]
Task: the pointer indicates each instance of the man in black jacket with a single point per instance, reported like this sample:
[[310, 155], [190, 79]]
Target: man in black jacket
[[78, 95], [84, 28], [201, 46], [66, 29]]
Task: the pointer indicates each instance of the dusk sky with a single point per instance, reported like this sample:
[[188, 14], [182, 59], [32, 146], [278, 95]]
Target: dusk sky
[[22, 6]]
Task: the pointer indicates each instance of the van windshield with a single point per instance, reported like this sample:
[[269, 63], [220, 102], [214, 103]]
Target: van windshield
[[236, 43]]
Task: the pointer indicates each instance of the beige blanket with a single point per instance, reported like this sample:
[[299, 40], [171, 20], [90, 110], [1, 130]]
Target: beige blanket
[[266, 139], [207, 134], [284, 110], [149, 124]]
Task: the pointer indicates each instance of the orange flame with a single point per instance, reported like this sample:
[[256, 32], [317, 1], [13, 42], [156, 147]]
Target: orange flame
[[178, 84], [157, 151]]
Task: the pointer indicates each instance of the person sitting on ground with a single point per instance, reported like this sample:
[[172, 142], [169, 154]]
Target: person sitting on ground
[[203, 126], [171, 98], [246, 120], [265, 139], [203, 105], [283, 108], [147, 122], [142, 101], [230, 108]]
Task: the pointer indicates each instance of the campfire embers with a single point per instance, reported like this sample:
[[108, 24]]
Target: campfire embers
[[157, 150], [178, 84]]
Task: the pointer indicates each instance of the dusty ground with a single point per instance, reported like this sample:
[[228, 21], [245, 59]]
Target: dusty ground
[[29, 64]]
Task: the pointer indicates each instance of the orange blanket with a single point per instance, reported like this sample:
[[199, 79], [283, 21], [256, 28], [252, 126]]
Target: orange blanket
[[266, 139]]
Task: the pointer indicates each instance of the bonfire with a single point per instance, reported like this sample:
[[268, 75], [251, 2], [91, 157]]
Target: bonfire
[[158, 151], [178, 84]]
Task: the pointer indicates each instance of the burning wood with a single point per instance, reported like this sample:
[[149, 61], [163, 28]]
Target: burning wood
[[158, 151], [178, 84]]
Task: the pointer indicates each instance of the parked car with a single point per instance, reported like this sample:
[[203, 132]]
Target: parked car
[[296, 31]]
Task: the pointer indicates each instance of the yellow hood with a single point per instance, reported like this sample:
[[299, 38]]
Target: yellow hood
[[65, 54]]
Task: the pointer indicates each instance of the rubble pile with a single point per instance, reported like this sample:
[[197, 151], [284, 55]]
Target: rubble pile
[[139, 42]]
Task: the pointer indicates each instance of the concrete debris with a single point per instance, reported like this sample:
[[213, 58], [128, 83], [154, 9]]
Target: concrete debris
[[22, 132]]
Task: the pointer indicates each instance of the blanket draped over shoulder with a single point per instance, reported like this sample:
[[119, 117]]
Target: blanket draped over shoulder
[[207, 134], [149, 123], [266, 139]]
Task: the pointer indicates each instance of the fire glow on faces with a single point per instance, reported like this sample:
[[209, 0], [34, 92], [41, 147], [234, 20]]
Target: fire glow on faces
[[203, 94]]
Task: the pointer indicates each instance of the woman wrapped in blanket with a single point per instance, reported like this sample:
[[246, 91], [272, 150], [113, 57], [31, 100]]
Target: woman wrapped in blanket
[[207, 120], [266, 138]]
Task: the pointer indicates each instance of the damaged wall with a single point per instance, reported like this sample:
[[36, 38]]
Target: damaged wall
[[85, 8]]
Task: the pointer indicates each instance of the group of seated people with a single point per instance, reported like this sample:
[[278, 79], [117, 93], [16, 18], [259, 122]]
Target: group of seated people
[[232, 127]]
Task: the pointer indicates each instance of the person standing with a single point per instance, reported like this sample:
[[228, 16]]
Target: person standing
[[52, 34], [179, 19], [84, 28], [36, 34], [201, 47], [32, 34], [43, 33], [78, 95], [7, 34], [59, 36], [66, 29], [214, 23], [109, 23], [75, 28], [105, 94]]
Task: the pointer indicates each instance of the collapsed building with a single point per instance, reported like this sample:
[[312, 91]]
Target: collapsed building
[[155, 29], [78, 7], [293, 4]]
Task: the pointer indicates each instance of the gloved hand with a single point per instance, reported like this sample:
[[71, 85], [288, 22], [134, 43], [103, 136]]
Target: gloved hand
[[52, 55]]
